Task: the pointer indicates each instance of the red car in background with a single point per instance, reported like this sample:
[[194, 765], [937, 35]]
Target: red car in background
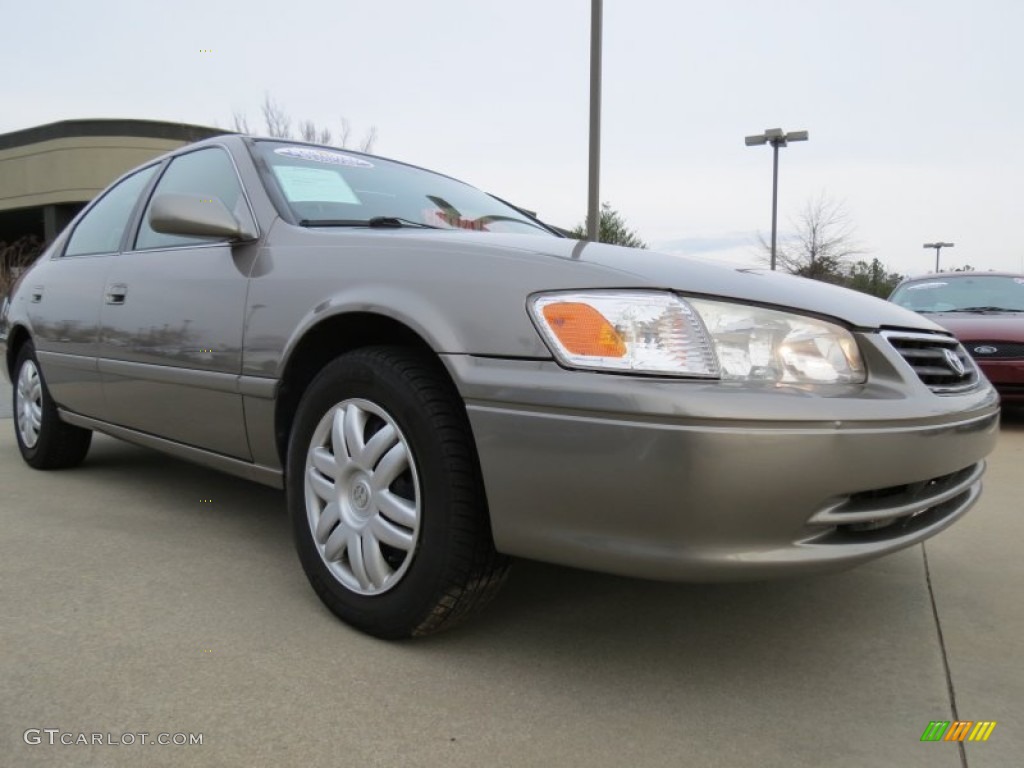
[[985, 310]]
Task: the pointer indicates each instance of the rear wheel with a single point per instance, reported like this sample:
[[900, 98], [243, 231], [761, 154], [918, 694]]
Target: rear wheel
[[44, 440], [387, 504]]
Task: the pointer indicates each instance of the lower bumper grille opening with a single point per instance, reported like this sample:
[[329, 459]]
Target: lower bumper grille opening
[[897, 511], [894, 528]]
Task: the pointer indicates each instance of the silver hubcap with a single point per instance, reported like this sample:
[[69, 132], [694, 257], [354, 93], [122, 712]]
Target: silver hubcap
[[28, 404], [362, 497]]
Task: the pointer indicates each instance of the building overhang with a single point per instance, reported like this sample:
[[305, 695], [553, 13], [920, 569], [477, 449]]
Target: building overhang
[[71, 161]]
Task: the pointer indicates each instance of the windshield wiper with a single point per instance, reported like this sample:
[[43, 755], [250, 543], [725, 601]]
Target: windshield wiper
[[375, 222], [397, 221], [985, 309]]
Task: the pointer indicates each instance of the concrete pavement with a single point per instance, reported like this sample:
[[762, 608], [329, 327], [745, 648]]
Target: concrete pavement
[[130, 606]]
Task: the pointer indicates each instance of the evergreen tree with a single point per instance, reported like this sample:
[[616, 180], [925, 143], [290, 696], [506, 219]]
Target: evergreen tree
[[613, 229]]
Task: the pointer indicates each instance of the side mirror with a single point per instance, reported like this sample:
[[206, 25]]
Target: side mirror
[[174, 214]]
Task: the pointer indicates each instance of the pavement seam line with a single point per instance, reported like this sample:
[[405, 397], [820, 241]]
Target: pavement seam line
[[942, 648]]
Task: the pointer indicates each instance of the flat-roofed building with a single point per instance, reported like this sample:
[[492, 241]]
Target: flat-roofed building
[[49, 172]]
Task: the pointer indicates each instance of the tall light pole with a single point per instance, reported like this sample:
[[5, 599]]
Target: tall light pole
[[593, 193], [776, 138], [938, 248]]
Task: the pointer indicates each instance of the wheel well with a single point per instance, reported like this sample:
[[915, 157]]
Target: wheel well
[[323, 343], [17, 337]]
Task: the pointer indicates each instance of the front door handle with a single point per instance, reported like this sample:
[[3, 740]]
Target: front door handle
[[116, 293], [37, 293]]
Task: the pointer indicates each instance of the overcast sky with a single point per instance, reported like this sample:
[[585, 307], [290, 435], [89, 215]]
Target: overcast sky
[[914, 108]]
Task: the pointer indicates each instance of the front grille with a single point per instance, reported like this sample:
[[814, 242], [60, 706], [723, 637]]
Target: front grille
[[886, 513], [932, 358], [995, 350]]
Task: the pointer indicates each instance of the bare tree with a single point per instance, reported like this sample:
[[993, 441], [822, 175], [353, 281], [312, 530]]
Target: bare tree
[[369, 140], [346, 132], [308, 131], [240, 122], [823, 244], [277, 122], [16, 256]]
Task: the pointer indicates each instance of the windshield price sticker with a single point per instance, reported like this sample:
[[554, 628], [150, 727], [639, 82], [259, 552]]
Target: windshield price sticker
[[307, 185]]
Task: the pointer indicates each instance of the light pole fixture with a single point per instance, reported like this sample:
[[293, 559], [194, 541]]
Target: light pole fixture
[[593, 192], [777, 138], [938, 248]]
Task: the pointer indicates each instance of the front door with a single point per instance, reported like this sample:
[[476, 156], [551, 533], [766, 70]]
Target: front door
[[172, 320]]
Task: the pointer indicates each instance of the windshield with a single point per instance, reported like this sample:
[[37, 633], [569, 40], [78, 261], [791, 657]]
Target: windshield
[[325, 186], [957, 294]]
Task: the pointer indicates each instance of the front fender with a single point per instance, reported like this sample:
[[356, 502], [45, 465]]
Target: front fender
[[414, 311], [454, 309]]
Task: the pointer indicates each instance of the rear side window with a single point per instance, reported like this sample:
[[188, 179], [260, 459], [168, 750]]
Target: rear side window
[[206, 173], [102, 227]]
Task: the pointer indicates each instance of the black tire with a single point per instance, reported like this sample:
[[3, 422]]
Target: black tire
[[57, 445], [451, 569]]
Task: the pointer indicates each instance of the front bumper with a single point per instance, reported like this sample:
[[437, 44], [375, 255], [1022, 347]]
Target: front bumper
[[685, 480]]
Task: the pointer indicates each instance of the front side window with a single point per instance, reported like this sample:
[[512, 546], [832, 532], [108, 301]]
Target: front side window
[[206, 173], [325, 186], [974, 293], [102, 227]]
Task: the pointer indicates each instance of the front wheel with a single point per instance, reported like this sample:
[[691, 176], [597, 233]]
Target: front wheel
[[384, 490]]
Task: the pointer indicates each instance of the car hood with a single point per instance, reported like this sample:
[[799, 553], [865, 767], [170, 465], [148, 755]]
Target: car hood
[[602, 265], [969, 326]]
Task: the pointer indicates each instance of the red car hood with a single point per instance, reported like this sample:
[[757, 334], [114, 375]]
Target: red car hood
[[975, 327]]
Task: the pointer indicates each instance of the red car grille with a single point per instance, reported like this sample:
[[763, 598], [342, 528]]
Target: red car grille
[[996, 350]]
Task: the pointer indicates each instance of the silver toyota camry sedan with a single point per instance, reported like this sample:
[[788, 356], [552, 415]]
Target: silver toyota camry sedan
[[440, 381]]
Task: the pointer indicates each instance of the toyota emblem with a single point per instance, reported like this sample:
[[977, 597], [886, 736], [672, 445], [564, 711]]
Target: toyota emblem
[[955, 362]]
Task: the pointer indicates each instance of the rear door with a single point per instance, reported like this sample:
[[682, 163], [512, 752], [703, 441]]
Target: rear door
[[172, 319], [65, 297]]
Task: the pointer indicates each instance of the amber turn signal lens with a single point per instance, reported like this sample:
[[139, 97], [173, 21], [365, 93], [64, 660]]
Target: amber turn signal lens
[[582, 330]]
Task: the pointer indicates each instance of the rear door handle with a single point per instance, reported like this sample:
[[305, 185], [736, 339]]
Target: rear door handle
[[37, 293], [116, 293]]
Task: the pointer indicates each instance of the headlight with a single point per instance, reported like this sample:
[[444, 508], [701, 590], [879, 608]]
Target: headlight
[[660, 333], [766, 345], [641, 332]]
